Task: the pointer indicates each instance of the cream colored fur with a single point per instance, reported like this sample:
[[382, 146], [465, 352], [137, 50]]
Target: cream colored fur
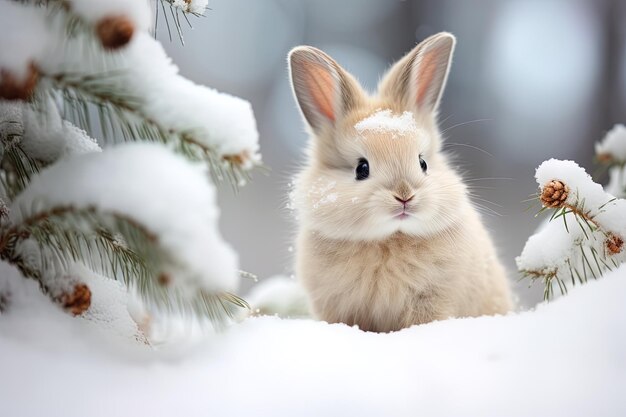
[[358, 262]]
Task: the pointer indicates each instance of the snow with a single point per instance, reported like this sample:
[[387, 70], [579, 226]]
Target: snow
[[219, 121], [138, 11], [279, 295], [109, 310], [385, 121], [216, 119], [17, 48], [193, 6], [565, 358], [557, 247], [44, 136], [617, 182], [586, 193], [551, 247], [124, 180], [614, 143]]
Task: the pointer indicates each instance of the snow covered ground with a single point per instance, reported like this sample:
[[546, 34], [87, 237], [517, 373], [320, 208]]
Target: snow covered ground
[[565, 358]]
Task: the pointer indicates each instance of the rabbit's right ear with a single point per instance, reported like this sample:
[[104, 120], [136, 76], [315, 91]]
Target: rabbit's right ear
[[324, 91]]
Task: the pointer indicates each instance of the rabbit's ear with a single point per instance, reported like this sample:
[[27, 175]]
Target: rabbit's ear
[[417, 81], [324, 91]]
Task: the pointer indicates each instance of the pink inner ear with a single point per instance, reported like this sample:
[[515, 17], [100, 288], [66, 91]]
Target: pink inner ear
[[425, 75], [321, 86]]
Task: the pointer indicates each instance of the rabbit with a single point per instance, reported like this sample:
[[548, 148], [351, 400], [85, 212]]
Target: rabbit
[[387, 235]]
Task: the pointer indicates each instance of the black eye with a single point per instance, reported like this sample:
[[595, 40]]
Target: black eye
[[362, 169], [423, 165]]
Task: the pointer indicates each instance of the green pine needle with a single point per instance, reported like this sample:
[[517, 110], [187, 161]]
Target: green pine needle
[[116, 246]]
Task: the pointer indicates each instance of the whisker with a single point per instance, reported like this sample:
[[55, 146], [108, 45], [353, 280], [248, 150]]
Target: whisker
[[470, 146], [465, 123], [488, 179]]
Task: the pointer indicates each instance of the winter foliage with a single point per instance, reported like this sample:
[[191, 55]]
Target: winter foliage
[[585, 235], [141, 213]]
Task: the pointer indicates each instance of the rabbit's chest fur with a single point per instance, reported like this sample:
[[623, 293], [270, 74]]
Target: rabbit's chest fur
[[400, 281]]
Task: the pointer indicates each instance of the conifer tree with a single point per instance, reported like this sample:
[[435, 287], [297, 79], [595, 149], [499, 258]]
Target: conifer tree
[[108, 156]]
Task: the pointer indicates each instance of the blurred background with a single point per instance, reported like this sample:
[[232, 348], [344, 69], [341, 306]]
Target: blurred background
[[531, 80]]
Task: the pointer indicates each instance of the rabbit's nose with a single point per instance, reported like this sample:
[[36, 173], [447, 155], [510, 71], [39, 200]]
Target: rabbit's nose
[[402, 200]]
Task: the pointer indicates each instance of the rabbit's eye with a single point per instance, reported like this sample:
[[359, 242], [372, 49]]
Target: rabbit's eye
[[423, 165], [362, 169]]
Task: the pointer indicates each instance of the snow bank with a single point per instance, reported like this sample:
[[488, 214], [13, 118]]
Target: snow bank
[[564, 359], [385, 121], [124, 180]]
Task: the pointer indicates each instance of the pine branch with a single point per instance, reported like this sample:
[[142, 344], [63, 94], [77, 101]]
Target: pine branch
[[175, 11], [116, 246], [595, 248], [120, 116], [18, 169]]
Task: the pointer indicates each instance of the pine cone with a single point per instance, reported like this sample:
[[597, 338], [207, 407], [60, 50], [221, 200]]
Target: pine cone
[[78, 301], [115, 31], [554, 194], [614, 244], [12, 88]]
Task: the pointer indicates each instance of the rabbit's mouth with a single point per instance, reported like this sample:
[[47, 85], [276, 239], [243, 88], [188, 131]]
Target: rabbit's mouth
[[402, 213]]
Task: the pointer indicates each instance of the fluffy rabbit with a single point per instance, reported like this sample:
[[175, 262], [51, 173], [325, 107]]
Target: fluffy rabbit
[[387, 234]]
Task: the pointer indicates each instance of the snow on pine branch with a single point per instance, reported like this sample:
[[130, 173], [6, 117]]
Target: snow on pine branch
[[34, 137], [142, 81], [138, 84], [196, 7], [611, 153], [613, 147], [585, 235], [138, 12], [41, 133], [141, 189]]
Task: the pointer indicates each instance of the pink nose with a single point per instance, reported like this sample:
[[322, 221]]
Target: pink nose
[[403, 201]]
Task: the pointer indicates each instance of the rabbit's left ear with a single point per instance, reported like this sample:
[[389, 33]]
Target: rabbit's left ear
[[417, 81]]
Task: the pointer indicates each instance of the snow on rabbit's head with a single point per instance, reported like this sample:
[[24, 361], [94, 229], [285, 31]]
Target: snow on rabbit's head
[[374, 164]]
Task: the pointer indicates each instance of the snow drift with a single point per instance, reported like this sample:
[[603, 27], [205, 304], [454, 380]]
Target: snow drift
[[564, 358]]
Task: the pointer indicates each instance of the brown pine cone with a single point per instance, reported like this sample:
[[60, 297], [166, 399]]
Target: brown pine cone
[[78, 301], [12, 88], [115, 31], [614, 244], [554, 194]]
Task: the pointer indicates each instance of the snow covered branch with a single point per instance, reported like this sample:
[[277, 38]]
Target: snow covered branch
[[590, 239], [143, 84], [611, 154], [107, 218], [34, 137], [136, 89]]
